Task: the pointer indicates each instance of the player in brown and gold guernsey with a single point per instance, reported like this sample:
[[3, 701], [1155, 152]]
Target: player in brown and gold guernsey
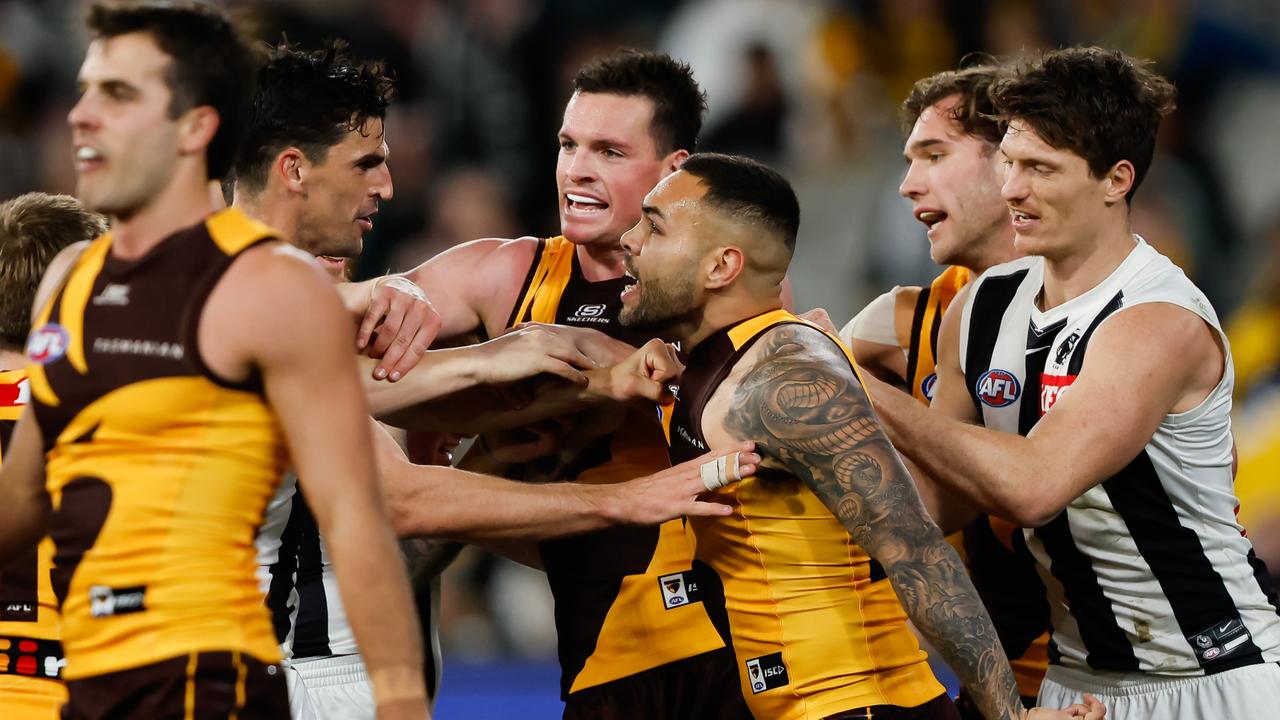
[[627, 648], [815, 635], [953, 181], [170, 381], [34, 228], [314, 165]]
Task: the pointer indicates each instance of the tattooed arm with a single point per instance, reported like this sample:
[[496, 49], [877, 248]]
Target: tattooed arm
[[808, 414]]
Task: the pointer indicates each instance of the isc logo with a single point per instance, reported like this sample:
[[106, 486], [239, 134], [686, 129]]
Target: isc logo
[[47, 344], [997, 388]]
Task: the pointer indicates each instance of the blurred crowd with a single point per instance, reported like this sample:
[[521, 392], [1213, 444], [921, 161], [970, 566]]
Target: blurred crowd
[[810, 86]]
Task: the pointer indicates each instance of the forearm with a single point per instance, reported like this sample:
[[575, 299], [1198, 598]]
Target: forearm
[[24, 520], [355, 296], [995, 472], [431, 501], [941, 601], [440, 373], [476, 410], [375, 587]]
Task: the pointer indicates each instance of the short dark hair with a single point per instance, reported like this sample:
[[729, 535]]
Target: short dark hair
[[678, 102], [210, 62], [33, 229], [1102, 105], [309, 99], [750, 191], [974, 112]]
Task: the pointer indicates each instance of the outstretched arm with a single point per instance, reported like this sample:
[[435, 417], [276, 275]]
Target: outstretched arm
[[807, 412]]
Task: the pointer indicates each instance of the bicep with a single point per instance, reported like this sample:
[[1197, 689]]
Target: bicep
[[471, 284], [803, 406], [1104, 418]]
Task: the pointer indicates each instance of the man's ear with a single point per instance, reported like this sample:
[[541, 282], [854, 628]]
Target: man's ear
[[1118, 181], [291, 168], [196, 128], [725, 264], [673, 161]]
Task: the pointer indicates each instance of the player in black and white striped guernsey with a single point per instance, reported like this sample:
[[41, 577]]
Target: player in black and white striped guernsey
[[1098, 383]]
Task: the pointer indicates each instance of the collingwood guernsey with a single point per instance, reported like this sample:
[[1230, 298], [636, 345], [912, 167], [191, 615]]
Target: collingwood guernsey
[[1147, 571]]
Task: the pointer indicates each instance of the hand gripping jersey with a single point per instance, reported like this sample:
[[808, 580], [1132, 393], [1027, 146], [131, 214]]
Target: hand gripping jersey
[[158, 470], [30, 653], [614, 616], [1147, 571], [815, 626]]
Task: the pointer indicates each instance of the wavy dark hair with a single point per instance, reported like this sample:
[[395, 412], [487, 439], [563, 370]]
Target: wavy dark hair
[[309, 99], [1102, 105]]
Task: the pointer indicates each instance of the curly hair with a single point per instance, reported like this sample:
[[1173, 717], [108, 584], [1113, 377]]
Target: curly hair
[[972, 83], [309, 99]]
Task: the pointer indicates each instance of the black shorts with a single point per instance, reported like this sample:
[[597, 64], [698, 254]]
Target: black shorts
[[218, 684], [704, 686], [939, 708]]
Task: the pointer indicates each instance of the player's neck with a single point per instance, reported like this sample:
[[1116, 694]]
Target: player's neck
[[997, 249], [1085, 266], [12, 360], [722, 312], [274, 214], [601, 261], [183, 203]]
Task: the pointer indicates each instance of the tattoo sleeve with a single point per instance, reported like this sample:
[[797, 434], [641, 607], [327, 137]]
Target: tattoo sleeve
[[806, 411]]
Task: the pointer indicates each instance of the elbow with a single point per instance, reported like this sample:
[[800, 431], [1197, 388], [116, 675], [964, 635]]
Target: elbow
[[1031, 512]]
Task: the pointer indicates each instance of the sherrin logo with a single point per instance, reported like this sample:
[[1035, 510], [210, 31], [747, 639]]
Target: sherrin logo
[[998, 388], [47, 343]]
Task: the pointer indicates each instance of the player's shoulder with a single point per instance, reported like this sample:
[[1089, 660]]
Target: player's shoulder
[[272, 276], [797, 342]]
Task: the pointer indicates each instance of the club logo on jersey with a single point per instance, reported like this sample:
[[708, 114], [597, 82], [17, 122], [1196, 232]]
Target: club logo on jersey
[[1052, 388], [106, 601], [998, 388], [590, 310], [113, 294], [1219, 640], [766, 673], [1064, 350], [679, 589], [927, 386], [48, 343]]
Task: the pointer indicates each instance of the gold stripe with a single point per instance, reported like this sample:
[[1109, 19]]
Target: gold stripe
[[233, 231], [242, 673], [539, 274], [75, 298], [189, 702], [748, 329], [559, 272]]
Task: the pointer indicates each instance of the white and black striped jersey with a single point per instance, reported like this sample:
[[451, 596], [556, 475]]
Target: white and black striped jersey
[[295, 573], [1149, 570]]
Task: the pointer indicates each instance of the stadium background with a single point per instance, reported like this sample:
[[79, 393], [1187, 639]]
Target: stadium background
[[809, 86]]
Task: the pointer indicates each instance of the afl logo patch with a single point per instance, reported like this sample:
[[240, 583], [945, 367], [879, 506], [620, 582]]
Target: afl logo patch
[[47, 344], [998, 388], [927, 386]]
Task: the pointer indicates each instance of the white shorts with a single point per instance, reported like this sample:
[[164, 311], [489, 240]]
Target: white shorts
[[1242, 694], [334, 688]]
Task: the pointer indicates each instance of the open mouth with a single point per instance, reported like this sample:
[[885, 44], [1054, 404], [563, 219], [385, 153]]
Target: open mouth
[[931, 218], [631, 289], [365, 222], [88, 158], [584, 203], [1022, 220]]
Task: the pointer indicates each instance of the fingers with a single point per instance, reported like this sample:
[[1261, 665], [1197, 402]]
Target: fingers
[[820, 317], [660, 361], [727, 468], [388, 332], [405, 354], [378, 307]]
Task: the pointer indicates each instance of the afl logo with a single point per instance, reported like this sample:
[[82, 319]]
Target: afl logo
[[47, 344], [998, 388], [927, 386]]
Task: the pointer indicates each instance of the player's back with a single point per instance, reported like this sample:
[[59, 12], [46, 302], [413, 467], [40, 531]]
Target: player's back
[[816, 626], [158, 470]]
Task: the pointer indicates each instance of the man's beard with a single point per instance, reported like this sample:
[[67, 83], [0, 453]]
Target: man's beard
[[661, 305]]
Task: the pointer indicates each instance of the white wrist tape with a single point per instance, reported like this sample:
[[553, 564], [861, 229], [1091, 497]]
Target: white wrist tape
[[720, 472]]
